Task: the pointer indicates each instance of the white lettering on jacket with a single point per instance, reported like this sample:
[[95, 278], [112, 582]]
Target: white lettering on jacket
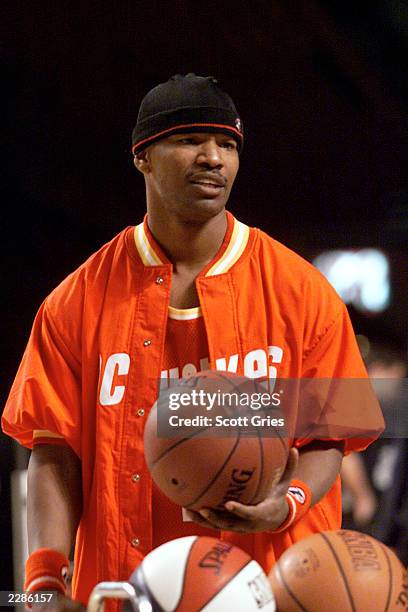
[[256, 364], [221, 364], [276, 354], [109, 393]]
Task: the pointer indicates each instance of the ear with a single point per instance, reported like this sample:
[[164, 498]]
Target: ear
[[142, 162]]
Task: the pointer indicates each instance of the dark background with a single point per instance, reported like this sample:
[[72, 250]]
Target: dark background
[[322, 90]]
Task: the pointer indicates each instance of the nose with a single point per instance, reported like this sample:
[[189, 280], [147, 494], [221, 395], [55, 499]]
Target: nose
[[210, 154]]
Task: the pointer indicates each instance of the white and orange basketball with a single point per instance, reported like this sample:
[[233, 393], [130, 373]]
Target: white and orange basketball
[[201, 573]]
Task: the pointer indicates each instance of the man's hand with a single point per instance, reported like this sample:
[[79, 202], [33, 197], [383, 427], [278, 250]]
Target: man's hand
[[59, 603], [265, 516]]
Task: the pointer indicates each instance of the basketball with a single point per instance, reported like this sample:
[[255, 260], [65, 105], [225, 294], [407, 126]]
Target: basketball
[[201, 573], [340, 571], [206, 465]]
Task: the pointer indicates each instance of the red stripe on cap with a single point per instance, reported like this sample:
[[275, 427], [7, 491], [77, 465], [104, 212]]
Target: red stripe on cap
[[185, 125]]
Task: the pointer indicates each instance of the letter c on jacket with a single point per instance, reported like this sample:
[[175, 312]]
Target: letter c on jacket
[[109, 394]]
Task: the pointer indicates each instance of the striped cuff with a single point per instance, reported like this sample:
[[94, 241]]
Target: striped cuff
[[46, 569], [299, 498]]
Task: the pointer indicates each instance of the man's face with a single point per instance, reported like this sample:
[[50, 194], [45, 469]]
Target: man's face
[[190, 175]]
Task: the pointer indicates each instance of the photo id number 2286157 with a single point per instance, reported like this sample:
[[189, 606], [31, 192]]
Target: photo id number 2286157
[[14, 598]]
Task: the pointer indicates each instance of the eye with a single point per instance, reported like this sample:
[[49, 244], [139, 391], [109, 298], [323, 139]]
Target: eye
[[230, 145], [187, 140]]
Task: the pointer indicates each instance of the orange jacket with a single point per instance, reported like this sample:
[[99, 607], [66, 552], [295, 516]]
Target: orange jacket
[[91, 367]]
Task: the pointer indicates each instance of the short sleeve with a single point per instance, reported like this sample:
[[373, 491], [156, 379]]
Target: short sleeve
[[46, 393], [337, 400], [335, 353]]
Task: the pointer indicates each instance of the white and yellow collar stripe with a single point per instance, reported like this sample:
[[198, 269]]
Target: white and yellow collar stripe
[[236, 246], [185, 314], [234, 250], [146, 252]]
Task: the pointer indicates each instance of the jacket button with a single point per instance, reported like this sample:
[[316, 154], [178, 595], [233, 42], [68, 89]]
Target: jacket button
[[135, 542], [135, 477], [147, 342], [159, 280], [140, 412]]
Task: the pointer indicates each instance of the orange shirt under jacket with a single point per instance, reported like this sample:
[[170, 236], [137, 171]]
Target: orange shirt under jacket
[[90, 371]]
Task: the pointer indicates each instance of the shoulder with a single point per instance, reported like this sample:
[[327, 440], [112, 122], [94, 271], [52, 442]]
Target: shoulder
[[282, 256], [91, 276], [291, 273]]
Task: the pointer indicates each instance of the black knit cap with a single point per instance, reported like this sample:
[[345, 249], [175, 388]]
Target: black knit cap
[[185, 104]]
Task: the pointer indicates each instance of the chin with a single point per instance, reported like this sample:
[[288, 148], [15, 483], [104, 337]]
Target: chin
[[200, 211]]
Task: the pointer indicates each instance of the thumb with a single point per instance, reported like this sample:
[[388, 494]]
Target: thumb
[[281, 488], [290, 468]]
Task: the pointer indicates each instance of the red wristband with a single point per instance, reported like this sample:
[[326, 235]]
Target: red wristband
[[46, 569], [299, 498]]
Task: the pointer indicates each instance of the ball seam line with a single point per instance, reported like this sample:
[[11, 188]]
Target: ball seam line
[[288, 589], [387, 605], [337, 560]]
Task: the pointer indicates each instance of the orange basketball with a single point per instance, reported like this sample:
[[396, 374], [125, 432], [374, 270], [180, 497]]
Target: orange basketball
[[205, 466], [339, 571]]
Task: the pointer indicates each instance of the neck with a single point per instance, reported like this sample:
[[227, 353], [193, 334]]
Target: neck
[[187, 244]]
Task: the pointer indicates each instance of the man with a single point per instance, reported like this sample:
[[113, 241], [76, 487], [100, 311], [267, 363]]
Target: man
[[189, 288]]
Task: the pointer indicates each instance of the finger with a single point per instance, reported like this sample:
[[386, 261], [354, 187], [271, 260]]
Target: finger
[[291, 465], [225, 522], [188, 515], [249, 513], [201, 520]]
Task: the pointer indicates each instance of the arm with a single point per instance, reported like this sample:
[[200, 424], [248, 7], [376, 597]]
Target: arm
[[316, 464], [355, 478], [54, 497], [319, 465], [54, 505]]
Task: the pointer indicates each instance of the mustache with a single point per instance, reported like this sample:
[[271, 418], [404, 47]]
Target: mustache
[[214, 177]]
